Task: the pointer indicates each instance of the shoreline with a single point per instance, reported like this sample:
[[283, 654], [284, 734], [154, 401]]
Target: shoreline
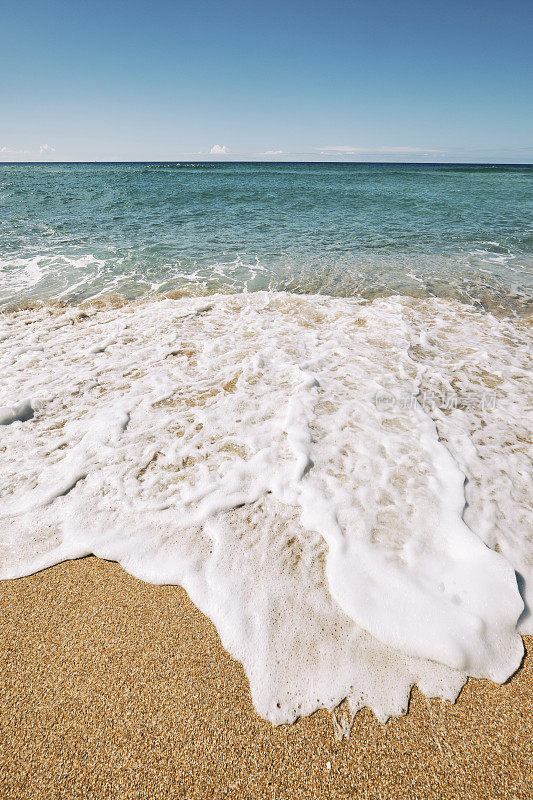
[[115, 687], [510, 309], [141, 442]]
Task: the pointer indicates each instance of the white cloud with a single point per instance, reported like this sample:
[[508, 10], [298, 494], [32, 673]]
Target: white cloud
[[10, 151], [46, 148], [219, 150], [351, 150], [272, 153], [332, 148]]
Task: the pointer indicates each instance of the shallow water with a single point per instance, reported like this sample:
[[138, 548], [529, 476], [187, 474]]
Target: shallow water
[[341, 485], [75, 231], [329, 449]]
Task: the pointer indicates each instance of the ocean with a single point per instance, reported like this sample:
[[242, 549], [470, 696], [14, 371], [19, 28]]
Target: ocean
[[76, 231], [300, 391]]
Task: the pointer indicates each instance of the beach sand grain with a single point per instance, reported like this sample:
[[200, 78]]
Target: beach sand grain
[[114, 688]]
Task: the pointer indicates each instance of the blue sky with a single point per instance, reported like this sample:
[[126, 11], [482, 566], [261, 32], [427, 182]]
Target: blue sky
[[388, 81]]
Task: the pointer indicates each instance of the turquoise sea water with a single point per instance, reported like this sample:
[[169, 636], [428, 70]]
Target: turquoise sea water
[[75, 231]]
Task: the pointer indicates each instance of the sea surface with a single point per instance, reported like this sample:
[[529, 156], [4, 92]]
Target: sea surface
[[314, 415], [75, 231]]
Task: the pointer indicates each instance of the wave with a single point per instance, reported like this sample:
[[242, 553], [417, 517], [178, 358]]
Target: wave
[[340, 485]]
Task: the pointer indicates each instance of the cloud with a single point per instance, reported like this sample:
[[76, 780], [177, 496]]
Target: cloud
[[46, 148], [219, 150], [13, 151], [272, 153], [352, 150]]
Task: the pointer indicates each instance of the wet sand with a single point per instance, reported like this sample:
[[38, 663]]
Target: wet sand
[[113, 688]]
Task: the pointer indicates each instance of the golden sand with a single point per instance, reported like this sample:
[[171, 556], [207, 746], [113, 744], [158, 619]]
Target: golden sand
[[113, 688]]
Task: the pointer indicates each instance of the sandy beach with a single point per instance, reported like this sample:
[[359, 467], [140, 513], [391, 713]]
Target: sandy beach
[[266, 528], [112, 687]]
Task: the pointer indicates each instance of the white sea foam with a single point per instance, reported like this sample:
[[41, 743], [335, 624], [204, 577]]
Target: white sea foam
[[340, 486], [51, 275]]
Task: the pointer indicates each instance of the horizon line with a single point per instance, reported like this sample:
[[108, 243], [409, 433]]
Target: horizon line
[[277, 162]]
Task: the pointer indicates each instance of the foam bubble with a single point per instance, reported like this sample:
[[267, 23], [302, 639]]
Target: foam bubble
[[340, 486]]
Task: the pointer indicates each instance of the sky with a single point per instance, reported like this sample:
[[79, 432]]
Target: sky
[[413, 80]]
